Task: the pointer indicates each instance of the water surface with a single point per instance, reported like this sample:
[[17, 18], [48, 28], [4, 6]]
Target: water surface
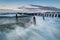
[[48, 29]]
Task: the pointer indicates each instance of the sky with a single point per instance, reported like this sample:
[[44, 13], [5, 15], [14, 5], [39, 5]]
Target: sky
[[18, 3]]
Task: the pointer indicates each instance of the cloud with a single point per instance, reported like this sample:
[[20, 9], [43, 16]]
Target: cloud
[[46, 7]]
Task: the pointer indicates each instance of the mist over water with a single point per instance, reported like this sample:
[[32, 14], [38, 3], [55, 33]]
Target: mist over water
[[48, 29]]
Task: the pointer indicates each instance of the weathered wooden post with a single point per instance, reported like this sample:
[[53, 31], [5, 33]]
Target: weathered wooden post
[[16, 18], [43, 17], [34, 20]]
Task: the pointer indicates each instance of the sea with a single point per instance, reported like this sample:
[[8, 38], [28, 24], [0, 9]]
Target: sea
[[47, 29]]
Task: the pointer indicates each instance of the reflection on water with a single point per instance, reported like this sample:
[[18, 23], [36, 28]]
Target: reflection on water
[[48, 29]]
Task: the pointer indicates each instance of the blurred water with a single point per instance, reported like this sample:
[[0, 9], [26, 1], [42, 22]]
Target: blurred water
[[48, 29]]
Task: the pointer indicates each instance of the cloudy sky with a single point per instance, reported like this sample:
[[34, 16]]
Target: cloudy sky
[[18, 3]]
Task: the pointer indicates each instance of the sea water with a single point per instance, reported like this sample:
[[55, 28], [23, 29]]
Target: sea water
[[48, 29]]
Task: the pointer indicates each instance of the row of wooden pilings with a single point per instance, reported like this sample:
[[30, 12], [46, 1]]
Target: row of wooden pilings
[[51, 15], [43, 15]]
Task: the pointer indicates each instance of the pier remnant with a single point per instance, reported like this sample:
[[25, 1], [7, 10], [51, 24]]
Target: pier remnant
[[16, 18], [43, 17], [34, 20]]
